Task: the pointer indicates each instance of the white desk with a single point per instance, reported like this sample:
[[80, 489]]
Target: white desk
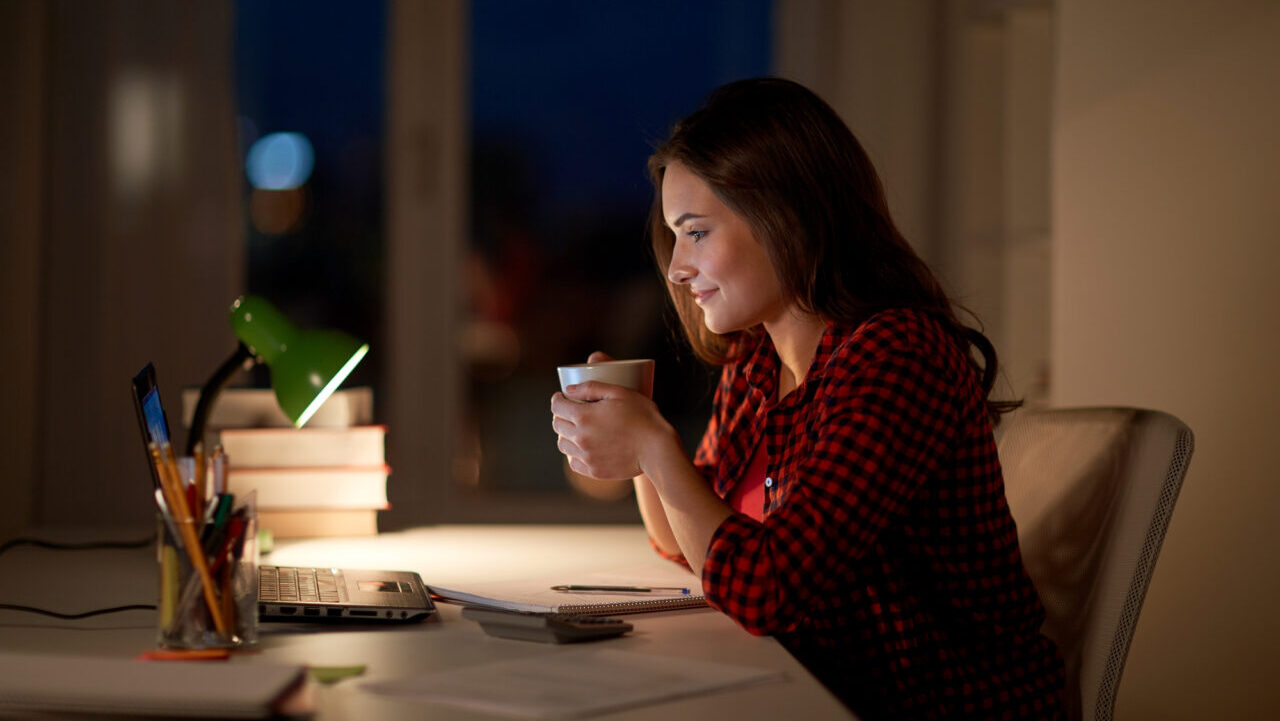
[[444, 555]]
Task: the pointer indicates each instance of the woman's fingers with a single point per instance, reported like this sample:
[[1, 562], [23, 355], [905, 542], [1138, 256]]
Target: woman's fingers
[[599, 357], [568, 447], [579, 467], [564, 407], [563, 427], [594, 391], [596, 425]]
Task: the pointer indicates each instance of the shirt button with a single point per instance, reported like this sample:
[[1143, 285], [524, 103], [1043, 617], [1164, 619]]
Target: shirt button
[[768, 482]]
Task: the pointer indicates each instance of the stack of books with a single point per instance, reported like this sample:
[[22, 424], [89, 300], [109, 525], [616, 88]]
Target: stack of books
[[327, 479]]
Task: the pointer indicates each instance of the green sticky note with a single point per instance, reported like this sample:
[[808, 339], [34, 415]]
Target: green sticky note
[[266, 541], [333, 674]]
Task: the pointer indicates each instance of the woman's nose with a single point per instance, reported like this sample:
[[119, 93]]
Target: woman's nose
[[679, 271]]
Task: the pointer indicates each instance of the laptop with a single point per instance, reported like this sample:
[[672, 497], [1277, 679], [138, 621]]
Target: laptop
[[290, 593]]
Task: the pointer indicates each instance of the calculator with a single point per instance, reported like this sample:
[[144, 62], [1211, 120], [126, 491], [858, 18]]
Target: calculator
[[545, 627]]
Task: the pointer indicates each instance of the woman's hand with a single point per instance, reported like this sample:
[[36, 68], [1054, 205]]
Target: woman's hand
[[606, 431], [610, 433]]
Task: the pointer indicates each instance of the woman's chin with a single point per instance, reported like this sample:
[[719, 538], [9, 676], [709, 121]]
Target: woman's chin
[[719, 327]]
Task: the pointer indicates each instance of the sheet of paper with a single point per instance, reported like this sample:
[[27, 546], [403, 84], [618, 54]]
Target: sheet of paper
[[571, 684]]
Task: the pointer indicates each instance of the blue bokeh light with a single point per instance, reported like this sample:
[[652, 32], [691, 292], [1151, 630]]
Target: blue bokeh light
[[280, 161]]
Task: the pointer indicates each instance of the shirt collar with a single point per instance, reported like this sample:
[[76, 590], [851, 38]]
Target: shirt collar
[[760, 362]]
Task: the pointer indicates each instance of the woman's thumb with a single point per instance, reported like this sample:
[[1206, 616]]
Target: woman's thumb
[[599, 357]]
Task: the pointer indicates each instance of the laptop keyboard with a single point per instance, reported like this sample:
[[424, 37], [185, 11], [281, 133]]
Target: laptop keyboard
[[298, 584]]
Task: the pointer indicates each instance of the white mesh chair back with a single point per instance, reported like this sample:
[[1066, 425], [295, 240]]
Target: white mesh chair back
[[1092, 490]]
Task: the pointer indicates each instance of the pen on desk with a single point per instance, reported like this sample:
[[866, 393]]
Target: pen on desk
[[621, 589]]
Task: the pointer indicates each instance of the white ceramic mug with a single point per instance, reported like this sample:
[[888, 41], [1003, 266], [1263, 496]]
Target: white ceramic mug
[[634, 374]]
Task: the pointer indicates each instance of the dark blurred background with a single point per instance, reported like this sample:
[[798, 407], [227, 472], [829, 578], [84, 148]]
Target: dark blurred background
[[557, 264]]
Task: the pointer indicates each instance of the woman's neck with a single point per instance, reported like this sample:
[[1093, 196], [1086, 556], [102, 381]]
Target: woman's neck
[[795, 337]]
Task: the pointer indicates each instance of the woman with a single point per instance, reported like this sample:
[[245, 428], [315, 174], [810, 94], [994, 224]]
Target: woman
[[846, 496]]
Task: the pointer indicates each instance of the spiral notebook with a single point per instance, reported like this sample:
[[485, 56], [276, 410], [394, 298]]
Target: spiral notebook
[[680, 589]]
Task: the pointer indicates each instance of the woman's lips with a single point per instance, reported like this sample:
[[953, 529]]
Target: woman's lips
[[700, 296]]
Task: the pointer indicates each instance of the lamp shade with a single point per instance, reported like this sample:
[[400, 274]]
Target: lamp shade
[[307, 366]]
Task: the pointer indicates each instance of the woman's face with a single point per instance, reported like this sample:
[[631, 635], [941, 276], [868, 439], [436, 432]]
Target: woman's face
[[715, 254]]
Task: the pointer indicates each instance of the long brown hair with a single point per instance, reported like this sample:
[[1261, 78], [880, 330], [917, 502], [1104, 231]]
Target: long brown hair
[[781, 158]]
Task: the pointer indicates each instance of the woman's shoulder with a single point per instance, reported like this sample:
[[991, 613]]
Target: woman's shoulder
[[905, 349], [900, 330], [896, 341]]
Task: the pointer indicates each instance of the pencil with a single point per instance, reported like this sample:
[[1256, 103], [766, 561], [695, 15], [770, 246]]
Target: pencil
[[200, 479], [168, 585], [166, 467]]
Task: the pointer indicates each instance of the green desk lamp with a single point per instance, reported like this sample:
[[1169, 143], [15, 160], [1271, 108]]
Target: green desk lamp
[[307, 366]]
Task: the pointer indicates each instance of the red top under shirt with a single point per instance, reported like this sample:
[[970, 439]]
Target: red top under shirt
[[747, 497], [887, 560]]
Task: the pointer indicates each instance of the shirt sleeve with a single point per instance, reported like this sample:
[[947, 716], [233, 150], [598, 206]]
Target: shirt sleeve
[[884, 424]]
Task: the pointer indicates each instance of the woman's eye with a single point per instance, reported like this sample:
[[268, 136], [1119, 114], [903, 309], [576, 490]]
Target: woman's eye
[[697, 234]]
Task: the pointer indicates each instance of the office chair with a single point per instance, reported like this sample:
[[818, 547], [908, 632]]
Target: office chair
[[1092, 490]]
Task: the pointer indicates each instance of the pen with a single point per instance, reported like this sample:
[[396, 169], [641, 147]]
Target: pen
[[621, 589], [235, 529]]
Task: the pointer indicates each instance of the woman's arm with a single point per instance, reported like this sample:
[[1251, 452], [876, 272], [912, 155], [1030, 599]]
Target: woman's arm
[[650, 504], [691, 510], [655, 516], [609, 432]]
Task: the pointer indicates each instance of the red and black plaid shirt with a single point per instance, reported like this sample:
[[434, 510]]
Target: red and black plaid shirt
[[887, 561]]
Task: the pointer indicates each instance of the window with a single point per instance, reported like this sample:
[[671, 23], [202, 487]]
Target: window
[[310, 93], [564, 101], [567, 100]]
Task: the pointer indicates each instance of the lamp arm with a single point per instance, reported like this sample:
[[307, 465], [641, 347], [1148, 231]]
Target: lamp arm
[[210, 392]]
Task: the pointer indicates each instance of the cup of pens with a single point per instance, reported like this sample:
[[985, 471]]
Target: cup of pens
[[207, 554]]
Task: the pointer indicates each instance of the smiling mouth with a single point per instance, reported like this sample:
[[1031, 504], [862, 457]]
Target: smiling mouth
[[700, 296]]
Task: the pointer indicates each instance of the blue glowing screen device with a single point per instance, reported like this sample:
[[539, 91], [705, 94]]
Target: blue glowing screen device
[[150, 412]]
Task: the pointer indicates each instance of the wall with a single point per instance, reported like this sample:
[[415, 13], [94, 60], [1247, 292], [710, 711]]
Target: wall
[[22, 68], [1165, 171], [951, 101], [877, 64], [121, 242]]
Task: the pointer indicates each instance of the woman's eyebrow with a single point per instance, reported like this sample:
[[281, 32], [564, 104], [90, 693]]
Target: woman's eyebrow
[[687, 216]]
